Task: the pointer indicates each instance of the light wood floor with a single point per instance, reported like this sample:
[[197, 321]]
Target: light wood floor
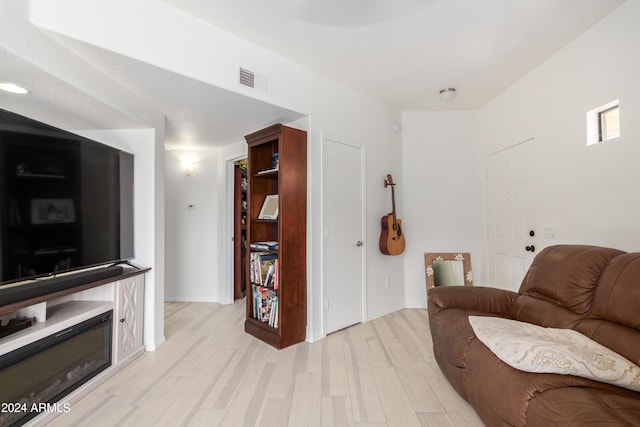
[[210, 373]]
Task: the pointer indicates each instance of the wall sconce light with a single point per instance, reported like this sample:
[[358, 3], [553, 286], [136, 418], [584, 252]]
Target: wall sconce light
[[189, 166], [447, 94]]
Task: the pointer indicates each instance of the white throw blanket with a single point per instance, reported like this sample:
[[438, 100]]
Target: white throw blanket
[[532, 348]]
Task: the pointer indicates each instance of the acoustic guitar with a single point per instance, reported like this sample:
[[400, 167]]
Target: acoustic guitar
[[391, 238]]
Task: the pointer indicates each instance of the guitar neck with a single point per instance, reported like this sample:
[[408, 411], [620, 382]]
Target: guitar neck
[[393, 204]]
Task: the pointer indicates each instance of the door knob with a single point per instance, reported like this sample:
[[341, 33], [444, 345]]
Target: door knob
[[359, 243], [530, 248]]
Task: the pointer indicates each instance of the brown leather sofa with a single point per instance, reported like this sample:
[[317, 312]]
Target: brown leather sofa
[[593, 290]]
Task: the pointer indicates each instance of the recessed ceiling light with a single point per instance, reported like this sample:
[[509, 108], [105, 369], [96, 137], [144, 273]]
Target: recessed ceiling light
[[13, 88]]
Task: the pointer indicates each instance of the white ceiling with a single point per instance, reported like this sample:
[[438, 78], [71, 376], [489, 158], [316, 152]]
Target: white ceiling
[[400, 52]]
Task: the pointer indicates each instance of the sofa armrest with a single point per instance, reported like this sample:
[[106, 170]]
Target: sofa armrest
[[476, 298]]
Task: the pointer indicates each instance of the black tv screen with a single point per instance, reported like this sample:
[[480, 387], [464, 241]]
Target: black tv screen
[[66, 202]]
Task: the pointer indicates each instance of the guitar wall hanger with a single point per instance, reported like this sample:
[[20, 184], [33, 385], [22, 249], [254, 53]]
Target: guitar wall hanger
[[391, 238]]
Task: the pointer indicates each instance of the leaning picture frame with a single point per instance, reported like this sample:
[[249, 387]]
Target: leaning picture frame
[[270, 207], [52, 211], [432, 261]]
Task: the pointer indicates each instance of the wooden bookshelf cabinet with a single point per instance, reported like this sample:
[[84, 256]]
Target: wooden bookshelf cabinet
[[289, 182]]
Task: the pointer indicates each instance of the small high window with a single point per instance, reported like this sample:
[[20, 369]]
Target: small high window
[[603, 123], [609, 124]]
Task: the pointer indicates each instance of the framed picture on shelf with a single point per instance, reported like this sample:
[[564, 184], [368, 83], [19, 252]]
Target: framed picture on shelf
[[269, 207], [52, 211]]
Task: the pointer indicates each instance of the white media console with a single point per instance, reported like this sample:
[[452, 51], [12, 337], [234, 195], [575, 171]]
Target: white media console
[[55, 312]]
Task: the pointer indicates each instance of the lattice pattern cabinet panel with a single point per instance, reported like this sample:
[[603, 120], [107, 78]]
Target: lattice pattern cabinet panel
[[129, 318]]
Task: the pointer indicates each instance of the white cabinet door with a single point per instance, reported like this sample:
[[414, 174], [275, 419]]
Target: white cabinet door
[[129, 317]]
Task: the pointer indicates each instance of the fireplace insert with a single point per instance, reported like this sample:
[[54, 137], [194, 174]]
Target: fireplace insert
[[35, 377]]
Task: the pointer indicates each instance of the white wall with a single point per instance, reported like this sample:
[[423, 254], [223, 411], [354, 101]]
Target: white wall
[[192, 233], [441, 208], [585, 193]]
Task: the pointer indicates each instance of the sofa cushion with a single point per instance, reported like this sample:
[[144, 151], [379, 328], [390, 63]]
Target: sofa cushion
[[583, 406], [477, 298], [567, 275], [449, 310], [451, 334], [617, 297], [544, 313], [532, 348], [621, 339], [500, 394]]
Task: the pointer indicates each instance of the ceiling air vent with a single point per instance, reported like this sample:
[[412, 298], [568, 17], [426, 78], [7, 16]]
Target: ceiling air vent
[[247, 77], [250, 79]]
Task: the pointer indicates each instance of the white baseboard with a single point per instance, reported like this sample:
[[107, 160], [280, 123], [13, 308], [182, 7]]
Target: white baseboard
[[154, 346], [187, 299], [384, 312]]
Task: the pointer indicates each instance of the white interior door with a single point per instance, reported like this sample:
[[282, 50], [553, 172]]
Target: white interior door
[[511, 214], [344, 246]]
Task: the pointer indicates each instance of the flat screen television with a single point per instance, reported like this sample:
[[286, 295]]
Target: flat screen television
[[66, 202]]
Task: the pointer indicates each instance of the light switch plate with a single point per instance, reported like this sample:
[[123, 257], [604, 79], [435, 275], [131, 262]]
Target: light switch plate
[[549, 232]]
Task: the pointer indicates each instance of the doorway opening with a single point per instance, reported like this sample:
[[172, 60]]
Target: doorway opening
[[240, 186]]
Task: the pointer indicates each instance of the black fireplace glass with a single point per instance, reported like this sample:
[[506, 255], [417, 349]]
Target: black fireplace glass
[[34, 377]]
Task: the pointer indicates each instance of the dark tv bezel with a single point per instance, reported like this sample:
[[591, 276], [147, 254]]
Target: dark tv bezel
[[14, 122]]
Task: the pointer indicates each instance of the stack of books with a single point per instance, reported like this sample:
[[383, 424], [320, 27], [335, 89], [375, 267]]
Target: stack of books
[[265, 305], [264, 269]]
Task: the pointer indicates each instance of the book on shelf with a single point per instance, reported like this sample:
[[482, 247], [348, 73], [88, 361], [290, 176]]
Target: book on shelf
[[253, 267], [269, 245], [273, 318], [268, 281], [276, 276], [275, 163]]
